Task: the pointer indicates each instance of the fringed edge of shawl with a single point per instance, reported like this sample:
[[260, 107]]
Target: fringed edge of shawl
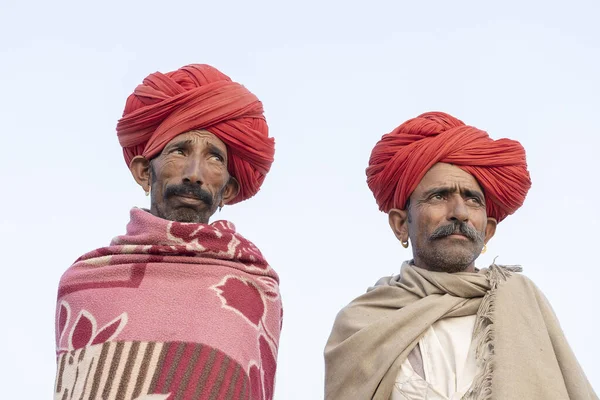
[[484, 333]]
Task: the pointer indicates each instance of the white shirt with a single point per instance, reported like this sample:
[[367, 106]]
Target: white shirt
[[449, 363]]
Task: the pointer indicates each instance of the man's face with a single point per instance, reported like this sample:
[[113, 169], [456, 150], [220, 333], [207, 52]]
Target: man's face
[[189, 178], [446, 220]]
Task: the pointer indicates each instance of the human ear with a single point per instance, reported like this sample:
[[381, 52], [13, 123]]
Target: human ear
[[231, 190], [398, 220], [140, 170], [490, 228]]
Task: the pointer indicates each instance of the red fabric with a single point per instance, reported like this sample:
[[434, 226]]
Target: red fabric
[[199, 301], [402, 157], [199, 96]]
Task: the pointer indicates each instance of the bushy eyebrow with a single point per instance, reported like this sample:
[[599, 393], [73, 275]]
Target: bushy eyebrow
[[180, 144], [187, 143], [447, 190]]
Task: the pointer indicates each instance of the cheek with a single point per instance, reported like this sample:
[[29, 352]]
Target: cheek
[[431, 218], [479, 220], [420, 226], [428, 225], [216, 177], [168, 171]]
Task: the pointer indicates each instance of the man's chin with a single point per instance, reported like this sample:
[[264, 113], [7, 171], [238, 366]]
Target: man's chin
[[451, 260], [188, 215]]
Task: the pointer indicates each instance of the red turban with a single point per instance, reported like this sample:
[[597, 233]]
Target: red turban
[[199, 96], [402, 157]]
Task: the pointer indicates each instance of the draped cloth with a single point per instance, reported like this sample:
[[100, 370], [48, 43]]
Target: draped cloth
[[169, 311], [402, 157], [521, 349], [199, 96]]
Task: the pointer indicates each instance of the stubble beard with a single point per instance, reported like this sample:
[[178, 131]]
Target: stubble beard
[[181, 214], [451, 257], [446, 260], [184, 214]]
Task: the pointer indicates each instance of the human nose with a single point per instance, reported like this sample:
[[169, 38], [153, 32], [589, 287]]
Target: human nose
[[458, 210], [193, 172]]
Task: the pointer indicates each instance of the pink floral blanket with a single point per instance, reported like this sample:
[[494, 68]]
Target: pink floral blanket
[[169, 311]]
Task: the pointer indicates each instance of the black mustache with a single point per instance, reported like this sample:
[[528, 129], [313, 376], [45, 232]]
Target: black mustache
[[457, 227], [190, 190]]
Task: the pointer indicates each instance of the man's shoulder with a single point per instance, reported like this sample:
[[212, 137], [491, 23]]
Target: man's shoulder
[[519, 284], [383, 281], [516, 276]]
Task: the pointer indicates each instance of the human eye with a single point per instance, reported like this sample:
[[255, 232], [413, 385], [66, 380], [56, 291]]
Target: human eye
[[475, 200], [437, 197], [216, 157], [177, 150]]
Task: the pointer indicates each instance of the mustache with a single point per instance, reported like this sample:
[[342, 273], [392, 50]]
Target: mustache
[[457, 227], [189, 189]]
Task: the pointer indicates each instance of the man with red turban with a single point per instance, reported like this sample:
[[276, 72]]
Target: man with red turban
[[443, 329], [177, 307]]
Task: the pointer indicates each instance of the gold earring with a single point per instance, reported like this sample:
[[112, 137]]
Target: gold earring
[[404, 244], [484, 249]]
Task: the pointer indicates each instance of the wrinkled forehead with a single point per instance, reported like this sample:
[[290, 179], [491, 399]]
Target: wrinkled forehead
[[443, 175], [199, 136]]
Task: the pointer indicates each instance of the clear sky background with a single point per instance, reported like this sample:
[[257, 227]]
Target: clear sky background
[[334, 76]]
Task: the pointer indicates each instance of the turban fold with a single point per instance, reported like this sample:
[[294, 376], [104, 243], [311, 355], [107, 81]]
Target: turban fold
[[199, 96], [402, 157]]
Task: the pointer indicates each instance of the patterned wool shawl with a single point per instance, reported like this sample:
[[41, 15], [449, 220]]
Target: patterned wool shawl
[[169, 311], [521, 350]]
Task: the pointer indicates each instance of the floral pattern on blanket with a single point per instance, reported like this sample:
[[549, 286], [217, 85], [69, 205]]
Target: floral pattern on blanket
[[123, 317], [84, 330]]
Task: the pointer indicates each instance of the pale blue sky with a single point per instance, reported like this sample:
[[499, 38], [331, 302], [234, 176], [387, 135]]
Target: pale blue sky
[[333, 76]]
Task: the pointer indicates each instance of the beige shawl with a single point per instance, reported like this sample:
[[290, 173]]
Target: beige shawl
[[521, 349]]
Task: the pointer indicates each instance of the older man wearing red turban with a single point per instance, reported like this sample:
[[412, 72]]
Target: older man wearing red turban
[[443, 329], [177, 307]]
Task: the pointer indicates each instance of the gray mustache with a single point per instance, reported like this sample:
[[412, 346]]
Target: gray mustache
[[457, 227]]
